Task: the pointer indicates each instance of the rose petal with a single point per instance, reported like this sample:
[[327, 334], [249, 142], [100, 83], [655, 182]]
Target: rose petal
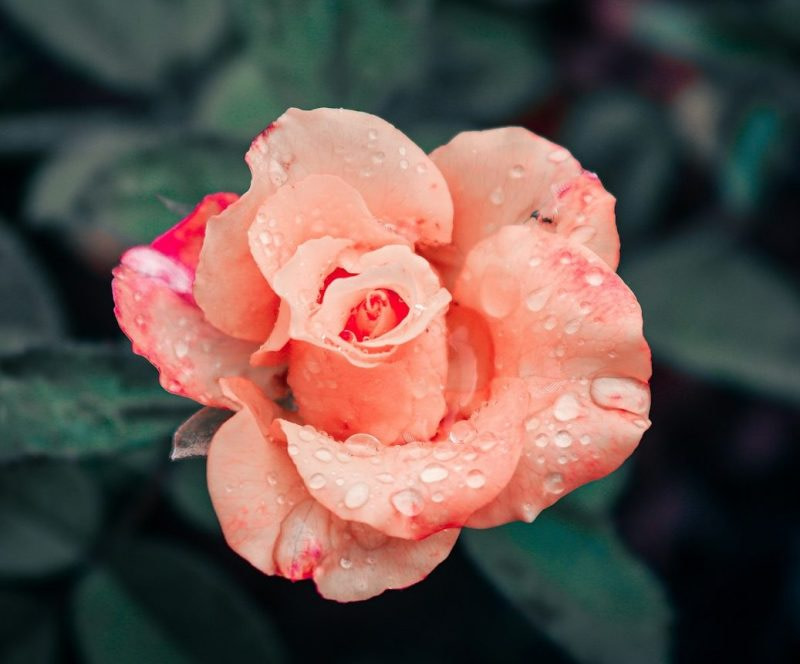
[[318, 206], [184, 240], [563, 321], [395, 400], [396, 179], [154, 307], [411, 491], [504, 176], [269, 519]]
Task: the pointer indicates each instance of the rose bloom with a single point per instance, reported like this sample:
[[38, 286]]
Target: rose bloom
[[458, 347]]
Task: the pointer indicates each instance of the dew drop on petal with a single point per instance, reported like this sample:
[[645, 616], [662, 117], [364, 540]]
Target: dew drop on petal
[[536, 299], [181, 349], [345, 563], [497, 197], [566, 408], [306, 434], [550, 323], [317, 481], [362, 445], [433, 473], [563, 439], [499, 292], [558, 156], [357, 495], [594, 277], [554, 483], [475, 479], [323, 455], [540, 441], [516, 171], [444, 453], [620, 393], [385, 478], [292, 450], [437, 497], [582, 234], [408, 502]]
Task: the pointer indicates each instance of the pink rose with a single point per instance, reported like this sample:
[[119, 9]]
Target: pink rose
[[451, 328]]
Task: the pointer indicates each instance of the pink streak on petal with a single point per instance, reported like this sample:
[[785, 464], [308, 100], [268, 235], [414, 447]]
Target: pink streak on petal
[[400, 397], [413, 490], [398, 181], [573, 331], [184, 240], [154, 307], [503, 176]]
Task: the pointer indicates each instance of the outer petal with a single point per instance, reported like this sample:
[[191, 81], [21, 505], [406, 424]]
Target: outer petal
[[400, 399], [510, 175], [414, 490], [184, 240], [154, 307], [398, 181], [269, 519], [565, 323], [316, 207]]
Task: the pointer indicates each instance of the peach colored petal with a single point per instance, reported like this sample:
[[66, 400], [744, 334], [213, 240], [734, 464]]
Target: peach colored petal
[[315, 207], [397, 180], [269, 519], [510, 175], [413, 490], [397, 400], [470, 361], [394, 267], [564, 322], [154, 307], [184, 240]]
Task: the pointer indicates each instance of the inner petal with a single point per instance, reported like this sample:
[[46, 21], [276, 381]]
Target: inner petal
[[380, 311]]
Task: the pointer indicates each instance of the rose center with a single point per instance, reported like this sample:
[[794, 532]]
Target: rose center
[[381, 310]]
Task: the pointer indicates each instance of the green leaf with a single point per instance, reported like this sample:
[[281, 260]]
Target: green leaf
[[82, 400], [106, 190], [49, 514], [487, 65], [629, 144], [29, 314], [712, 309], [573, 579], [597, 498], [131, 45], [188, 491], [28, 631], [158, 603]]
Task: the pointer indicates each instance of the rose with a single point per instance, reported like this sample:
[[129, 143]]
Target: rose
[[457, 343]]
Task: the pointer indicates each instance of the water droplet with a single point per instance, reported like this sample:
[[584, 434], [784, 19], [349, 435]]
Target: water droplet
[[499, 292], [437, 497], [585, 307], [137, 296], [566, 408], [317, 481], [307, 434], [516, 171], [345, 563], [408, 502], [433, 473], [443, 453], [529, 512], [362, 445], [536, 299], [339, 481], [588, 198], [293, 450], [181, 349], [470, 456], [540, 441], [421, 168], [497, 197], [385, 478], [565, 258], [532, 423], [475, 479], [620, 393], [594, 277], [372, 135], [357, 495], [486, 441], [462, 432], [229, 488], [323, 455], [277, 174], [280, 499], [582, 234], [139, 320], [563, 439], [585, 439], [378, 158], [550, 323], [558, 156], [534, 261], [404, 164], [554, 483]]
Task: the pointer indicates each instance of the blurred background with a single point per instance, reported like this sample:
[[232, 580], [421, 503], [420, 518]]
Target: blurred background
[[116, 117]]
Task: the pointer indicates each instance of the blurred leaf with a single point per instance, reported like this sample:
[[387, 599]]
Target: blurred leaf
[[29, 313], [188, 491], [28, 632], [573, 579], [597, 498], [105, 190], [628, 143], [744, 174], [195, 434], [130, 45], [82, 400], [487, 65], [158, 603], [717, 311], [49, 513]]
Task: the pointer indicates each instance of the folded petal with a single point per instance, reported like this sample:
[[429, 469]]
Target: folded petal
[[155, 309], [400, 184], [567, 325], [414, 490], [269, 519], [400, 399], [508, 176], [184, 241], [315, 207]]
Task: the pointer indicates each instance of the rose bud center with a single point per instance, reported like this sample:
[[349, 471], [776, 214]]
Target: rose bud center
[[380, 311]]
